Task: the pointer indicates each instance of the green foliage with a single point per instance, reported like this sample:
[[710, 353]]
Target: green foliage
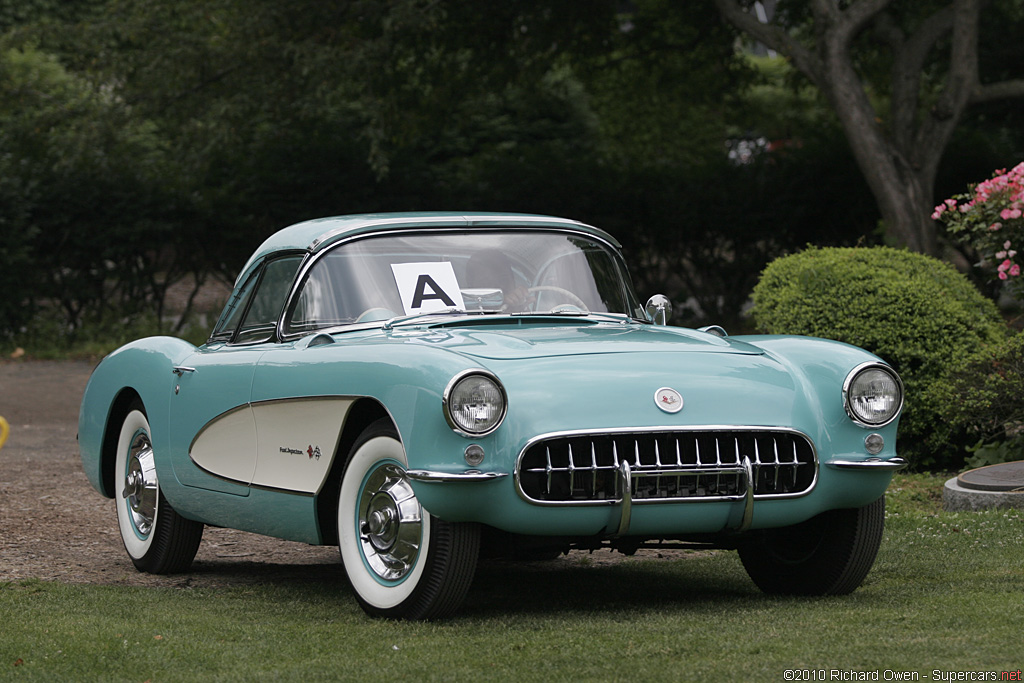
[[985, 454], [915, 312], [143, 140], [985, 398], [90, 208]]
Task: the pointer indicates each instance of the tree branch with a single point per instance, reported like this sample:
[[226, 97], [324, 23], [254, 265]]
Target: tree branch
[[908, 64], [774, 37], [963, 61], [997, 91], [859, 14]]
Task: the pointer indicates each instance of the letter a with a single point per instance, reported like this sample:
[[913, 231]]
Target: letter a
[[436, 292]]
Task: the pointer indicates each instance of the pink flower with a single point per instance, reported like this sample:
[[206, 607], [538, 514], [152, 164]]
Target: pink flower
[[938, 211], [1004, 266], [1002, 275], [995, 226], [1009, 214], [1014, 270], [1000, 254]]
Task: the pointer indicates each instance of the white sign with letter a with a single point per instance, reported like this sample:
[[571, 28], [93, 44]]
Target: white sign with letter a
[[426, 287]]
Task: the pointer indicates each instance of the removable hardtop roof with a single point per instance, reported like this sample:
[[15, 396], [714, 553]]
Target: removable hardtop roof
[[314, 235]]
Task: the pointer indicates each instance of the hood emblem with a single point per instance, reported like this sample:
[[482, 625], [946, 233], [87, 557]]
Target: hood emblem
[[668, 400]]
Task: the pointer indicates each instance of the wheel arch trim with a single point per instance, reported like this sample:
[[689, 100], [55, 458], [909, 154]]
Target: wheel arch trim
[[119, 409], [364, 412]]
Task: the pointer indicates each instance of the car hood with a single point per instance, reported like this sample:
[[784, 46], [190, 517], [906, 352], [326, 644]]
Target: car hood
[[606, 376], [533, 341]]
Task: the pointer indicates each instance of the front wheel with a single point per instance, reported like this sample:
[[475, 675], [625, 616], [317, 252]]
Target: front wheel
[[158, 539], [401, 561], [827, 555]]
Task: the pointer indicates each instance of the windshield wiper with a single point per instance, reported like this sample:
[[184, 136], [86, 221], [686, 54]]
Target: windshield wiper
[[617, 317], [527, 314], [400, 319]]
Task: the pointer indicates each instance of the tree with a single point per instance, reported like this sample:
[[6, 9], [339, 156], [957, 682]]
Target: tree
[[899, 124]]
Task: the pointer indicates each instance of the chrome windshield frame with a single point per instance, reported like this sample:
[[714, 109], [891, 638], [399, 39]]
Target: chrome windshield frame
[[314, 255]]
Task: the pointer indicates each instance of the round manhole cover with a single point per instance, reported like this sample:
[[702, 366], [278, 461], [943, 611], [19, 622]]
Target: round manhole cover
[[1009, 476]]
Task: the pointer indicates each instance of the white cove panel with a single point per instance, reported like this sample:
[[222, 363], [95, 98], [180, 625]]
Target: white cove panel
[[296, 441], [227, 446]]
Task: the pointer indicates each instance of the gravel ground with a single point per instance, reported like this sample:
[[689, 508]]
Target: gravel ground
[[55, 526]]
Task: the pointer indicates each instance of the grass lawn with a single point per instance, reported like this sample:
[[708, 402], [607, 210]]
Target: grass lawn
[[945, 596]]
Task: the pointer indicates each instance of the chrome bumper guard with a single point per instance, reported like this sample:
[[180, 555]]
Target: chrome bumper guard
[[626, 502], [453, 477], [873, 464]]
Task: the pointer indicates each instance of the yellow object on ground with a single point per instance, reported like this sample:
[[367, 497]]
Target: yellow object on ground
[[5, 429]]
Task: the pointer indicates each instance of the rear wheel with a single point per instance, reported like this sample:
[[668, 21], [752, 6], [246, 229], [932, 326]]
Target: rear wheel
[[401, 561], [158, 539], [827, 555]]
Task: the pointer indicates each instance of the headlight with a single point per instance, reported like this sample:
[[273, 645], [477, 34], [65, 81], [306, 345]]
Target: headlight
[[474, 403], [873, 395]]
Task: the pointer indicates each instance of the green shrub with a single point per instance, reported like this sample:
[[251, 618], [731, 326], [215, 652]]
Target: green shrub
[[915, 312], [986, 400]]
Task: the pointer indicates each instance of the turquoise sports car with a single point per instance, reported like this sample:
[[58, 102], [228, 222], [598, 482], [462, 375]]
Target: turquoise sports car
[[420, 389]]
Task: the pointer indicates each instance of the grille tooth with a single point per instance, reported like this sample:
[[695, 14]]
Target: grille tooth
[[583, 468]]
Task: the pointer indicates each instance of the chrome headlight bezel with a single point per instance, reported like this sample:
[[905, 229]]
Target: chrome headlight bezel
[[451, 403], [852, 392]]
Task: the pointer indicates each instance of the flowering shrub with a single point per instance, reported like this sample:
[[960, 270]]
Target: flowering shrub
[[990, 218]]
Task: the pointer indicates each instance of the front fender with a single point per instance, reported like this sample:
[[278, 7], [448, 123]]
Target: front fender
[[141, 368]]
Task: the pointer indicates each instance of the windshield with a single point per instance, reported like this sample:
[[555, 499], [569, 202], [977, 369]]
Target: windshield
[[513, 272]]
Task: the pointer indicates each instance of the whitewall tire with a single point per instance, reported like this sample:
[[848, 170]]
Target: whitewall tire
[[158, 540], [400, 561]]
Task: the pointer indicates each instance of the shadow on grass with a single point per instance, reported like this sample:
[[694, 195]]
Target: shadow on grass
[[568, 586], [506, 588]]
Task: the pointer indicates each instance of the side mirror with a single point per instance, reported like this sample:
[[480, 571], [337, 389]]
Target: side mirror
[[659, 309]]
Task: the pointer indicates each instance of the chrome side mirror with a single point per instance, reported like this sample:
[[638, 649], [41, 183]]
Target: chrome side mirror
[[659, 309]]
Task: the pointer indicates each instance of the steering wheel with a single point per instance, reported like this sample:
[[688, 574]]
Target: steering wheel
[[569, 296]]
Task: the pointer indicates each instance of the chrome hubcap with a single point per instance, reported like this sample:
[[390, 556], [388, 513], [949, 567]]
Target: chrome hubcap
[[140, 485], [390, 523]]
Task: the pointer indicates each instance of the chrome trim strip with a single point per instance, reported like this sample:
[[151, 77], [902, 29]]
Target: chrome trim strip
[[718, 468], [431, 477], [892, 464]]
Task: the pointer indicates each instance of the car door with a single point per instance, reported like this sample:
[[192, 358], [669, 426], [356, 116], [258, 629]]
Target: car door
[[212, 423]]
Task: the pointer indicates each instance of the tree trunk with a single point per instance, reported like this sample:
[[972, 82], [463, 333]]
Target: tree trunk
[[900, 163]]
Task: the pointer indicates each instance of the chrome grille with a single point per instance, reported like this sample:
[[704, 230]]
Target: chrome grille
[[665, 466]]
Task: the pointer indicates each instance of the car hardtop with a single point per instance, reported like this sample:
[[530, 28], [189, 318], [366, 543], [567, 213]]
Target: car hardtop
[[319, 233]]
